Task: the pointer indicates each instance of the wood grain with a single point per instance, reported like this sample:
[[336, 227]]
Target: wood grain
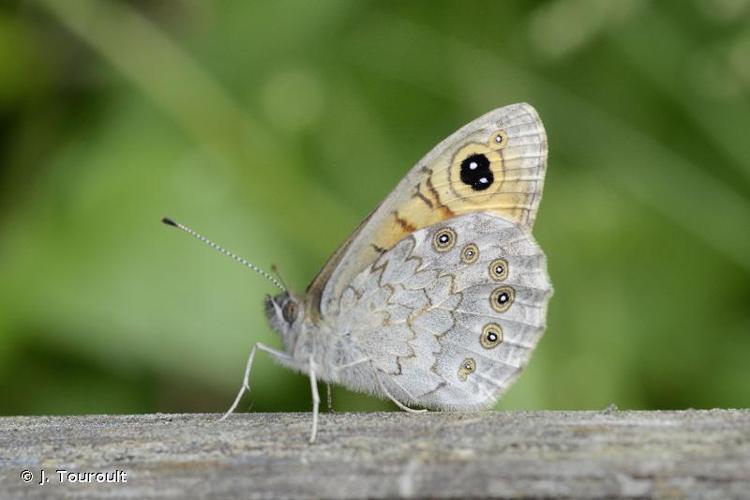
[[699, 454]]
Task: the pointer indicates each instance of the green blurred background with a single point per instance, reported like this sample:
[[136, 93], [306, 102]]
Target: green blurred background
[[274, 127]]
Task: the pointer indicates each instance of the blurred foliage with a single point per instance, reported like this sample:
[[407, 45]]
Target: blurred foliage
[[273, 127]]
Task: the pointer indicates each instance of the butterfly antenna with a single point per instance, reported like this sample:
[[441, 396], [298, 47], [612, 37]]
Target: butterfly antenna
[[275, 270], [244, 262]]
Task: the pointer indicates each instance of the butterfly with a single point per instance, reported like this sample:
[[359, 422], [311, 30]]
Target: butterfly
[[439, 297]]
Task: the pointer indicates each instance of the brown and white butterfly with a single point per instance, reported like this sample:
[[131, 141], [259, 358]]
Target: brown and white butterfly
[[440, 295]]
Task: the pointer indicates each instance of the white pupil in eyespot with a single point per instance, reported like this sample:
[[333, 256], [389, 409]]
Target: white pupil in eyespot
[[491, 337], [503, 298], [473, 165], [499, 270]]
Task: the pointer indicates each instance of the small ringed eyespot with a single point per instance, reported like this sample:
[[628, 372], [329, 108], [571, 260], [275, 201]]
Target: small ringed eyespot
[[444, 240], [290, 311], [499, 139], [502, 298], [492, 336], [498, 269], [468, 366], [469, 254]]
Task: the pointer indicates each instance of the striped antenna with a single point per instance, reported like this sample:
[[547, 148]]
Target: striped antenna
[[170, 222]]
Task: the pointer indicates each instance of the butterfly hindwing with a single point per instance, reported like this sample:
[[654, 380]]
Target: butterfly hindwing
[[449, 315]]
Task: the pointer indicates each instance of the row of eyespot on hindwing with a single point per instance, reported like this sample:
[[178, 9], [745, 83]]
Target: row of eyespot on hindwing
[[500, 299]]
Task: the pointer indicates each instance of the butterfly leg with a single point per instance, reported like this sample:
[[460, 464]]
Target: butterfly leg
[[380, 384], [316, 400], [246, 379], [396, 401], [329, 394]]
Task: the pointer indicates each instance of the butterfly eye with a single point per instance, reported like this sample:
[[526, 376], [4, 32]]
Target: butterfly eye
[[476, 172], [492, 336], [502, 298], [444, 239], [499, 269], [468, 366], [290, 311], [469, 254], [499, 140]]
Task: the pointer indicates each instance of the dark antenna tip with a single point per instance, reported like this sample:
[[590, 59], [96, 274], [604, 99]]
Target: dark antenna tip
[[169, 222], [244, 262]]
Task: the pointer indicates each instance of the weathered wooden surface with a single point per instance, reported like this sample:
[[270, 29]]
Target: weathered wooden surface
[[701, 454]]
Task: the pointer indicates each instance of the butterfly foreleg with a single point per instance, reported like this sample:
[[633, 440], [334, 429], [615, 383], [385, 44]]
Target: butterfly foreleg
[[248, 366]]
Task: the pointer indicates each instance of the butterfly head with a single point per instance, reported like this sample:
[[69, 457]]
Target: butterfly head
[[285, 313]]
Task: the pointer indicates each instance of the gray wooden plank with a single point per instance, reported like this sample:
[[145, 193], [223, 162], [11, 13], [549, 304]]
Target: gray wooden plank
[[698, 454]]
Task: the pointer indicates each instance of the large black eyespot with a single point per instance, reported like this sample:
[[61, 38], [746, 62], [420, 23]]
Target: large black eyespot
[[290, 311], [475, 172]]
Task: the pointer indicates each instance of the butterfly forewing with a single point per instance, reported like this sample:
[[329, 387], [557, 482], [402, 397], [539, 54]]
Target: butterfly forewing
[[495, 164]]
